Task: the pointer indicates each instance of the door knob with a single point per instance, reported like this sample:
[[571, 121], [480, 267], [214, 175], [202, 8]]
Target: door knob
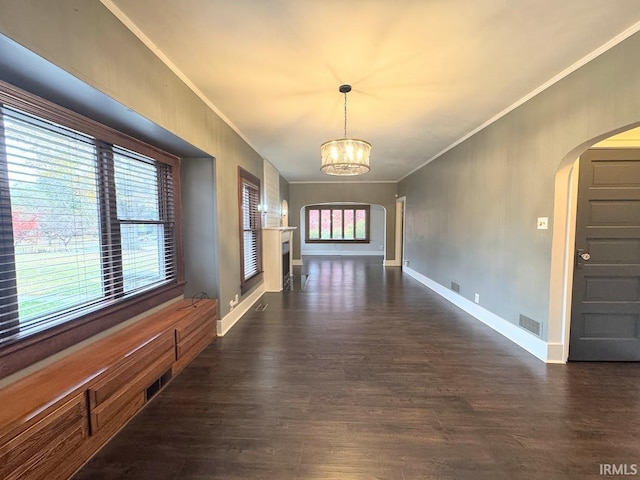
[[582, 256]]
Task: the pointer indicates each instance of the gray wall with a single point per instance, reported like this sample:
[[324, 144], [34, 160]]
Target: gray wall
[[471, 214], [384, 194], [84, 38], [284, 190], [200, 226], [374, 247]]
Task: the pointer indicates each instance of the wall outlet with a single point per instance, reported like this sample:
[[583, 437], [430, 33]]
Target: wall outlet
[[543, 223], [405, 263], [233, 302], [476, 298]]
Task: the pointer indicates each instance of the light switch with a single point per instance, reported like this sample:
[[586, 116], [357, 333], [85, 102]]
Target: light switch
[[543, 223]]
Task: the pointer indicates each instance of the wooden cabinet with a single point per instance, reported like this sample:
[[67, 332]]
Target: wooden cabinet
[[125, 372], [128, 380], [46, 449], [54, 420], [194, 333]]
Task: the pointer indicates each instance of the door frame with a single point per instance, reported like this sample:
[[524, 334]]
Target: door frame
[[401, 209], [562, 248]]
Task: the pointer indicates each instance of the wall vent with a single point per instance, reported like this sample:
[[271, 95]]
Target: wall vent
[[155, 387], [530, 324], [455, 287], [262, 307]]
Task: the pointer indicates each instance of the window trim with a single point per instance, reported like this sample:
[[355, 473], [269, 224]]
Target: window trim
[[23, 352], [343, 207], [247, 284]]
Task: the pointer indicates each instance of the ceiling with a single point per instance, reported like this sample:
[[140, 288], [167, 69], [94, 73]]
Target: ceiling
[[425, 73]]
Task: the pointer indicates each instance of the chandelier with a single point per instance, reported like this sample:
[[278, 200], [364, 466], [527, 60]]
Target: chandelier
[[345, 156]]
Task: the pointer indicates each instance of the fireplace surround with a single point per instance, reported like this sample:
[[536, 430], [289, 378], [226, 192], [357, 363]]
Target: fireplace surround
[[277, 257]]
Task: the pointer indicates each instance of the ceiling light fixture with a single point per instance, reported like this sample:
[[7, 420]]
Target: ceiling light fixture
[[345, 156]]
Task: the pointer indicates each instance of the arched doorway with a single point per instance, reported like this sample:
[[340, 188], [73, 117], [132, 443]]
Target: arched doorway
[[563, 253], [284, 213]]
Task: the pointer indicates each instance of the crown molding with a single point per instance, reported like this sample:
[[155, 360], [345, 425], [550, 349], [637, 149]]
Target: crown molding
[[120, 15], [566, 72]]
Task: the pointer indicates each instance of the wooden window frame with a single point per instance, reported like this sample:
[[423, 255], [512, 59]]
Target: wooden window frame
[[246, 284], [342, 207], [26, 351]]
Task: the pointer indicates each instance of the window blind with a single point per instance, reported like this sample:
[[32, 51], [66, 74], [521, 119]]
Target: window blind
[[250, 221], [145, 219], [82, 223]]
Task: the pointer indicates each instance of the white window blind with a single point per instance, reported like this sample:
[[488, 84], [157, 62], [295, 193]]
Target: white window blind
[[145, 219], [82, 223], [251, 236]]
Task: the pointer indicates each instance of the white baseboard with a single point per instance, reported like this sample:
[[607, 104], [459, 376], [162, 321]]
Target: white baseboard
[[392, 263], [297, 262], [231, 318], [520, 337], [555, 353]]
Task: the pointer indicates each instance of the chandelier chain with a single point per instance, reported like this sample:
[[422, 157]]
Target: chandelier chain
[[345, 115]]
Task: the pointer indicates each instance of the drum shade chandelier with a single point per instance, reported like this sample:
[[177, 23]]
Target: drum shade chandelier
[[345, 156]]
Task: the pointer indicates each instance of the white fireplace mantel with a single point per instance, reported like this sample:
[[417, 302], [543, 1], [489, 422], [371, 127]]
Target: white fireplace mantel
[[273, 239], [280, 229]]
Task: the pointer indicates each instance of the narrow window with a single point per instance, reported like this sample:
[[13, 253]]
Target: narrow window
[[145, 219], [250, 230]]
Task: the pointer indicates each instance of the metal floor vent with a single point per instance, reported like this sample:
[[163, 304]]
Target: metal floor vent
[[455, 287], [530, 324], [262, 307]]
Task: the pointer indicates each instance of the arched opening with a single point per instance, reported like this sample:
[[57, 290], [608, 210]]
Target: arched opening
[[376, 244], [284, 213], [563, 244]]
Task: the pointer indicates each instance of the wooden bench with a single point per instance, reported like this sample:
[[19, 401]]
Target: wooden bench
[[54, 420]]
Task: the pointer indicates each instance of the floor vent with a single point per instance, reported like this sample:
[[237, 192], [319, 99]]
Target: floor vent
[[262, 307], [455, 287], [530, 324]]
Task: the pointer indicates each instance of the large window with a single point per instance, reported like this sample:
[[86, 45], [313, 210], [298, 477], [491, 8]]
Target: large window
[[85, 223], [250, 229], [337, 224]]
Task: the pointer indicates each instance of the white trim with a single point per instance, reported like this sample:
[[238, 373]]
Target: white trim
[[364, 182], [566, 72], [297, 262], [565, 207], [392, 263], [120, 15], [342, 253], [520, 337], [401, 206], [555, 353], [569, 257], [231, 318]]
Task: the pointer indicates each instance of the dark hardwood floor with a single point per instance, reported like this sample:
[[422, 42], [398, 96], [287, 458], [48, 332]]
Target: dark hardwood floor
[[366, 374]]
